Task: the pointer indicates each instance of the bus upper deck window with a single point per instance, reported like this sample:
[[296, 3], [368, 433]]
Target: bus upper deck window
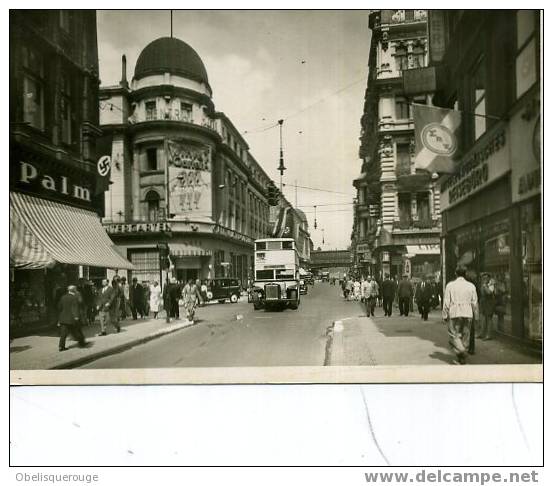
[[287, 245], [262, 245]]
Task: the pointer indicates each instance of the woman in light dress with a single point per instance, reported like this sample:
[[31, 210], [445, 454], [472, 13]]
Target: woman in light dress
[[356, 289], [190, 295], [155, 298]]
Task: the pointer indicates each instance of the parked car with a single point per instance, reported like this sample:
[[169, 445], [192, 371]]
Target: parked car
[[309, 279], [221, 289]]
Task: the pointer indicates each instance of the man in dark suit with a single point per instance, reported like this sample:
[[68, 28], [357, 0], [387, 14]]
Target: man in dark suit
[[137, 299], [404, 295], [69, 308], [423, 296], [389, 290], [175, 293], [104, 303]]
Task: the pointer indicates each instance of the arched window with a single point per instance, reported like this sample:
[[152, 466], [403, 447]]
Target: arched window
[[152, 200]]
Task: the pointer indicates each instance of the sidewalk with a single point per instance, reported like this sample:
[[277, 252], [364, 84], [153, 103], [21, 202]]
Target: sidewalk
[[398, 340], [40, 351]]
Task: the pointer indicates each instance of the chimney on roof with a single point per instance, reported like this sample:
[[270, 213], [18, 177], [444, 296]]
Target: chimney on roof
[[124, 81]]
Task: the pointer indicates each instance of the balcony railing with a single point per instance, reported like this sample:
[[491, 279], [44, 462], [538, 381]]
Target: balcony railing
[[172, 115], [408, 224]]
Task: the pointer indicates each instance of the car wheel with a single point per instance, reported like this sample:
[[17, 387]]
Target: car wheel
[[234, 298]]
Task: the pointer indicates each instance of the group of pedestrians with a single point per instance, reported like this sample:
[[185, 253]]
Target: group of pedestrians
[[112, 302], [190, 295], [373, 293]]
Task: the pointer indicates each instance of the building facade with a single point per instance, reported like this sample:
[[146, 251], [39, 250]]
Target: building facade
[[182, 174], [56, 236], [491, 204], [287, 221], [396, 227]]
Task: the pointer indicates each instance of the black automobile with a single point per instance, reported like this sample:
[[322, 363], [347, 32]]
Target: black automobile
[[221, 289]]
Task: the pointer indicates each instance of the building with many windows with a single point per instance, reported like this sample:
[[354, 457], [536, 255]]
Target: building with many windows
[[397, 209], [182, 173], [491, 203], [56, 236]]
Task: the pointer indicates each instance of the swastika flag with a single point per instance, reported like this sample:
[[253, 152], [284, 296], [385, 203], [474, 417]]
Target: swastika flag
[[103, 163], [436, 138]]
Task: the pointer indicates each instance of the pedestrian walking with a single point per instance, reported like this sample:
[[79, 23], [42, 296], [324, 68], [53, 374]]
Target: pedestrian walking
[[87, 301], [203, 291], [125, 306], [104, 302], [155, 298], [191, 294], [146, 299], [500, 303], [356, 290], [487, 307], [349, 289], [459, 311], [389, 289], [175, 294], [423, 297], [117, 301], [404, 295], [70, 318], [370, 299], [136, 294]]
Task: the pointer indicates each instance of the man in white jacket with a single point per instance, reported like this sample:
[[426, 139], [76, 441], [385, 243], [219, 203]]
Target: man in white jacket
[[460, 307]]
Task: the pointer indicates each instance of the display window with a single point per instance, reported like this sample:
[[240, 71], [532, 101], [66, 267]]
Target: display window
[[485, 248], [532, 269]]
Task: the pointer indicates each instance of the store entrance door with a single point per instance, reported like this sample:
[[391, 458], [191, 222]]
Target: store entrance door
[[185, 274]]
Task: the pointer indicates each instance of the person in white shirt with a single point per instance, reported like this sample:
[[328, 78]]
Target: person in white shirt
[[460, 308]]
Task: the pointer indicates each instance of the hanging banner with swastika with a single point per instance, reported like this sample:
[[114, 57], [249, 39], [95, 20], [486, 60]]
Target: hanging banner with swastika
[[436, 138], [103, 163]]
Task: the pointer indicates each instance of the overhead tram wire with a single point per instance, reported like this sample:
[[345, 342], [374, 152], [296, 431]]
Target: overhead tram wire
[[318, 189], [296, 113]]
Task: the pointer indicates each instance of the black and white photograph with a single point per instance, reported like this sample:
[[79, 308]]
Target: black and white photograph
[[275, 196]]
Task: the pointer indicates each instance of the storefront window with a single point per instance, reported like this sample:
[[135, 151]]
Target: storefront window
[[485, 247], [532, 270], [146, 263]]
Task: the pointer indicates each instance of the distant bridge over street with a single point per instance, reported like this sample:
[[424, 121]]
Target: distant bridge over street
[[330, 259]]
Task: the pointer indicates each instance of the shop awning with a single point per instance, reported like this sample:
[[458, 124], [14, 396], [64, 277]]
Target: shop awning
[[414, 250], [44, 232], [187, 250]]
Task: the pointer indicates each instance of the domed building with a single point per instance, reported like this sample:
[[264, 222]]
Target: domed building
[[181, 173]]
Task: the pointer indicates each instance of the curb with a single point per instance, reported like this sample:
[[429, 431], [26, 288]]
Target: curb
[[121, 347]]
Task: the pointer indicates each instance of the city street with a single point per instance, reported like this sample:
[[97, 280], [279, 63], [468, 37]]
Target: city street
[[325, 330]]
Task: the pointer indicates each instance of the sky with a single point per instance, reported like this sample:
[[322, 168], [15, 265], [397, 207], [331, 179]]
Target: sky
[[306, 67]]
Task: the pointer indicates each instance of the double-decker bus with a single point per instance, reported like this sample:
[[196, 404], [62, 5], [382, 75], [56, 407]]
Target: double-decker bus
[[276, 277]]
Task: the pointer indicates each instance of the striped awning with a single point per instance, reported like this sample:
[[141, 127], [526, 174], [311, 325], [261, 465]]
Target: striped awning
[[188, 250], [45, 232]]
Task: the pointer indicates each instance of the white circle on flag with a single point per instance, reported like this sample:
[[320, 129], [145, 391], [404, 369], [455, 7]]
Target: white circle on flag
[[103, 165], [439, 139]]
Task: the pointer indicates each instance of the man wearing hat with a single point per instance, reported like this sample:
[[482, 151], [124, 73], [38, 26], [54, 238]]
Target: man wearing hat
[[424, 295], [404, 295], [459, 311], [70, 318]]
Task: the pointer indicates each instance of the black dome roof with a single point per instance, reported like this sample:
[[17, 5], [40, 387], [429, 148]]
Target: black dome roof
[[168, 54]]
